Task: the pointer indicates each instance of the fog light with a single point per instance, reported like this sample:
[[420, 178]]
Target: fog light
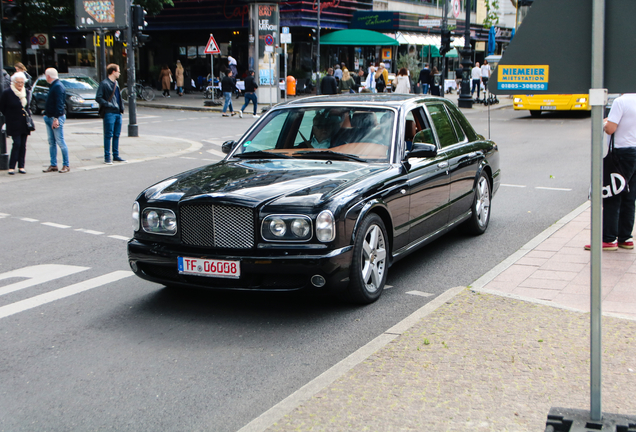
[[318, 281], [133, 266]]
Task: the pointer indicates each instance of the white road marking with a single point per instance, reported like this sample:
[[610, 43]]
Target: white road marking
[[216, 153], [55, 225], [187, 157], [61, 293], [4, 215], [87, 231], [420, 293], [118, 237], [36, 275], [388, 286], [511, 185], [29, 220], [552, 188]]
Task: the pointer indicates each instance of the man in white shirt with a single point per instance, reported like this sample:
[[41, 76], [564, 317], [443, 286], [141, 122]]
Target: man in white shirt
[[618, 210], [370, 82], [476, 76], [485, 73]]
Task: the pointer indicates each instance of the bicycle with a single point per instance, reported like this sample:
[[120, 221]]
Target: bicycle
[[143, 92]]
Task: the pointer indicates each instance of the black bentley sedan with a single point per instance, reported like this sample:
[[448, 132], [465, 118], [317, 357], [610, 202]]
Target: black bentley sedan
[[325, 192]]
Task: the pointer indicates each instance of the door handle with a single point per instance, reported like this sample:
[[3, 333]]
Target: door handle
[[442, 165]]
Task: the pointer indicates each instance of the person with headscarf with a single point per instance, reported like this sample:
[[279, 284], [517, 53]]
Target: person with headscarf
[[179, 76], [15, 108]]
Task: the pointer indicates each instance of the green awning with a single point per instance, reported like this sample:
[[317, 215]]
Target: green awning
[[452, 53], [357, 38], [434, 51]]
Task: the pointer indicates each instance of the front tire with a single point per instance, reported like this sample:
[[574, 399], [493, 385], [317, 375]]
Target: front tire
[[480, 217], [369, 267]]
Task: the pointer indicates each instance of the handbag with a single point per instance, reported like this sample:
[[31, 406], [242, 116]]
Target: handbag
[[29, 121], [614, 181], [101, 112]]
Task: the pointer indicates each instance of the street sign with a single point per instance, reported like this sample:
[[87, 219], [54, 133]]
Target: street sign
[[269, 40], [429, 22], [521, 77], [285, 30], [212, 47], [34, 40], [456, 8], [101, 14], [285, 38]]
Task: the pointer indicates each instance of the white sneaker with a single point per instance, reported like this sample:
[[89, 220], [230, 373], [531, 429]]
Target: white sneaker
[[241, 114], [255, 116]]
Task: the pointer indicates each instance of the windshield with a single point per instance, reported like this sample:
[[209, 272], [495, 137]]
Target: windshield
[[82, 83], [346, 133]]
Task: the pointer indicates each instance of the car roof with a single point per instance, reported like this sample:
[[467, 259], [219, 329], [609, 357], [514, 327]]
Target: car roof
[[393, 100]]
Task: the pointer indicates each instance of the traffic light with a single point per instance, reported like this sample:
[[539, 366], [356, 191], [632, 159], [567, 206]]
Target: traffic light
[[313, 34], [10, 11], [446, 42], [139, 24]]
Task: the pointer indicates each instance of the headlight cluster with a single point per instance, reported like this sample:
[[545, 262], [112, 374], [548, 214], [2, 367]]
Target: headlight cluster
[[157, 221], [299, 227], [77, 99], [581, 100], [517, 100]]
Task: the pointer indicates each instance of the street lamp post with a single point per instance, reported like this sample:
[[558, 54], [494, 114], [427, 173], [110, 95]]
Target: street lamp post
[[465, 99], [318, 51]]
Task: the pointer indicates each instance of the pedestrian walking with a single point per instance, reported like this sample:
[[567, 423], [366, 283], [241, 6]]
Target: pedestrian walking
[[231, 61], [228, 86], [165, 76], [370, 83], [250, 93], [618, 210], [109, 98], [476, 77], [179, 75], [28, 84], [337, 73], [403, 82], [347, 83], [382, 78], [485, 74], [15, 108], [328, 85], [425, 79], [358, 79], [54, 119]]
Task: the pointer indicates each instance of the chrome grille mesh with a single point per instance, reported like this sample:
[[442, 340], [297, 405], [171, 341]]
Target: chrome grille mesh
[[219, 226]]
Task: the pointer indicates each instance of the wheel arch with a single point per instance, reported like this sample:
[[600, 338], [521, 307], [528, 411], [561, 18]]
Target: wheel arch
[[378, 207]]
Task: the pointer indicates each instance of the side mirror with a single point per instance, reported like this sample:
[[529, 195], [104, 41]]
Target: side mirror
[[422, 150], [228, 146]]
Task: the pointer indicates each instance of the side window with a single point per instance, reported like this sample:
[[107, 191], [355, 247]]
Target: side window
[[461, 136], [414, 124], [42, 83], [304, 131], [267, 136], [466, 126], [443, 125]]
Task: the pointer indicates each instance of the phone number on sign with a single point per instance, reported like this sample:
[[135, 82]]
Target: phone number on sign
[[517, 86]]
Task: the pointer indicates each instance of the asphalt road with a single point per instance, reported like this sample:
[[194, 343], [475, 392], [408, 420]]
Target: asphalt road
[[125, 354]]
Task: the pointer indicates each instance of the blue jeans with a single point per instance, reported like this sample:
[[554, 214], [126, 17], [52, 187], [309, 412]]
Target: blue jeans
[[112, 129], [179, 90], [618, 211], [56, 137], [250, 97], [424, 88], [476, 85], [228, 102]]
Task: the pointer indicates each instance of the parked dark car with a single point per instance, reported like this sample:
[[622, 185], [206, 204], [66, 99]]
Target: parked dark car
[[326, 192], [80, 94]]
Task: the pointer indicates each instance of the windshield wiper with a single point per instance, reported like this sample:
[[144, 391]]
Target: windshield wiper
[[261, 155], [329, 154]]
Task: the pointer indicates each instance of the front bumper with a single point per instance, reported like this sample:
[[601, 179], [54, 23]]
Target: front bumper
[[91, 107], [283, 272]]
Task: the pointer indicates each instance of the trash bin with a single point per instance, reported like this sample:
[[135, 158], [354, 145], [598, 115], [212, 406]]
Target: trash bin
[[291, 86]]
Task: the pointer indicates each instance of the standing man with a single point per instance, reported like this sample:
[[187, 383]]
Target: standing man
[[370, 82], [358, 80], [485, 73], [250, 93], [425, 79], [109, 99], [228, 86], [476, 76], [328, 85], [54, 118], [618, 210]]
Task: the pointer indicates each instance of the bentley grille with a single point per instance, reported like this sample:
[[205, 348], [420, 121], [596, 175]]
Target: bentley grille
[[220, 226]]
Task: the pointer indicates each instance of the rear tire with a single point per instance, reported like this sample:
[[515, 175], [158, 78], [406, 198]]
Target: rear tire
[[535, 113], [480, 217], [369, 266]]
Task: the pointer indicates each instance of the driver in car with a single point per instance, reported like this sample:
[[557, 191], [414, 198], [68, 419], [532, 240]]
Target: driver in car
[[325, 126]]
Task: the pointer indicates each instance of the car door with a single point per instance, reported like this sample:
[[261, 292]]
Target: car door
[[462, 155], [40, 93], [429, 182]]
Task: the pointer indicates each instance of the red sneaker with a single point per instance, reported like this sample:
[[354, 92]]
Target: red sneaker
[[629, 244], [606, 246]]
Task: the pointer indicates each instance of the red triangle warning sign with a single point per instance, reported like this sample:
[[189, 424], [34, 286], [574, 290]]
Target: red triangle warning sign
[[212, 47]]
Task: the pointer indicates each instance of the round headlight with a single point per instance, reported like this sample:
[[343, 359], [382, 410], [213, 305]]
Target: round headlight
[[152, 220], [135, 216], [277, 227], [300, 228], [325, 226], [169, 222]]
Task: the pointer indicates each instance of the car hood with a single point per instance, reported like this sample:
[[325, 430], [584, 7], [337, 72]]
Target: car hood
[[256, 182], [85, 94]]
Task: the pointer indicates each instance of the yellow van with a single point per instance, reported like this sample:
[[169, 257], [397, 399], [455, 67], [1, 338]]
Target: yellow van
[[555, 102]]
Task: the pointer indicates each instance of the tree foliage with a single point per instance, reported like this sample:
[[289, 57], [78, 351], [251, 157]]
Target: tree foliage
[[492, 18]]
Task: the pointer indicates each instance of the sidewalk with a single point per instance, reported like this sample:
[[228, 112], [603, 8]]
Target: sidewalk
[[195, 102], [494, 357], [86, 148]]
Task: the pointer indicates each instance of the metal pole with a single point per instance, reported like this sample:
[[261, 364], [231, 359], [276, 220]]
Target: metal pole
[[212, 75], [4, 156], [598, 43], [271, 79], [133, 128], [102, 54], [444, 27], [285, 80], [465, 99], [318, 52]]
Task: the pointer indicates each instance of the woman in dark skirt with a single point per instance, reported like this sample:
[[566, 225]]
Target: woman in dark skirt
[[14, 106]]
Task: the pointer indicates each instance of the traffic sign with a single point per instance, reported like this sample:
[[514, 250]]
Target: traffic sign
[[456, 8], [269, 40], [34, 40], [285, 38], [430, 22], [212, 47], [285, 30]]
